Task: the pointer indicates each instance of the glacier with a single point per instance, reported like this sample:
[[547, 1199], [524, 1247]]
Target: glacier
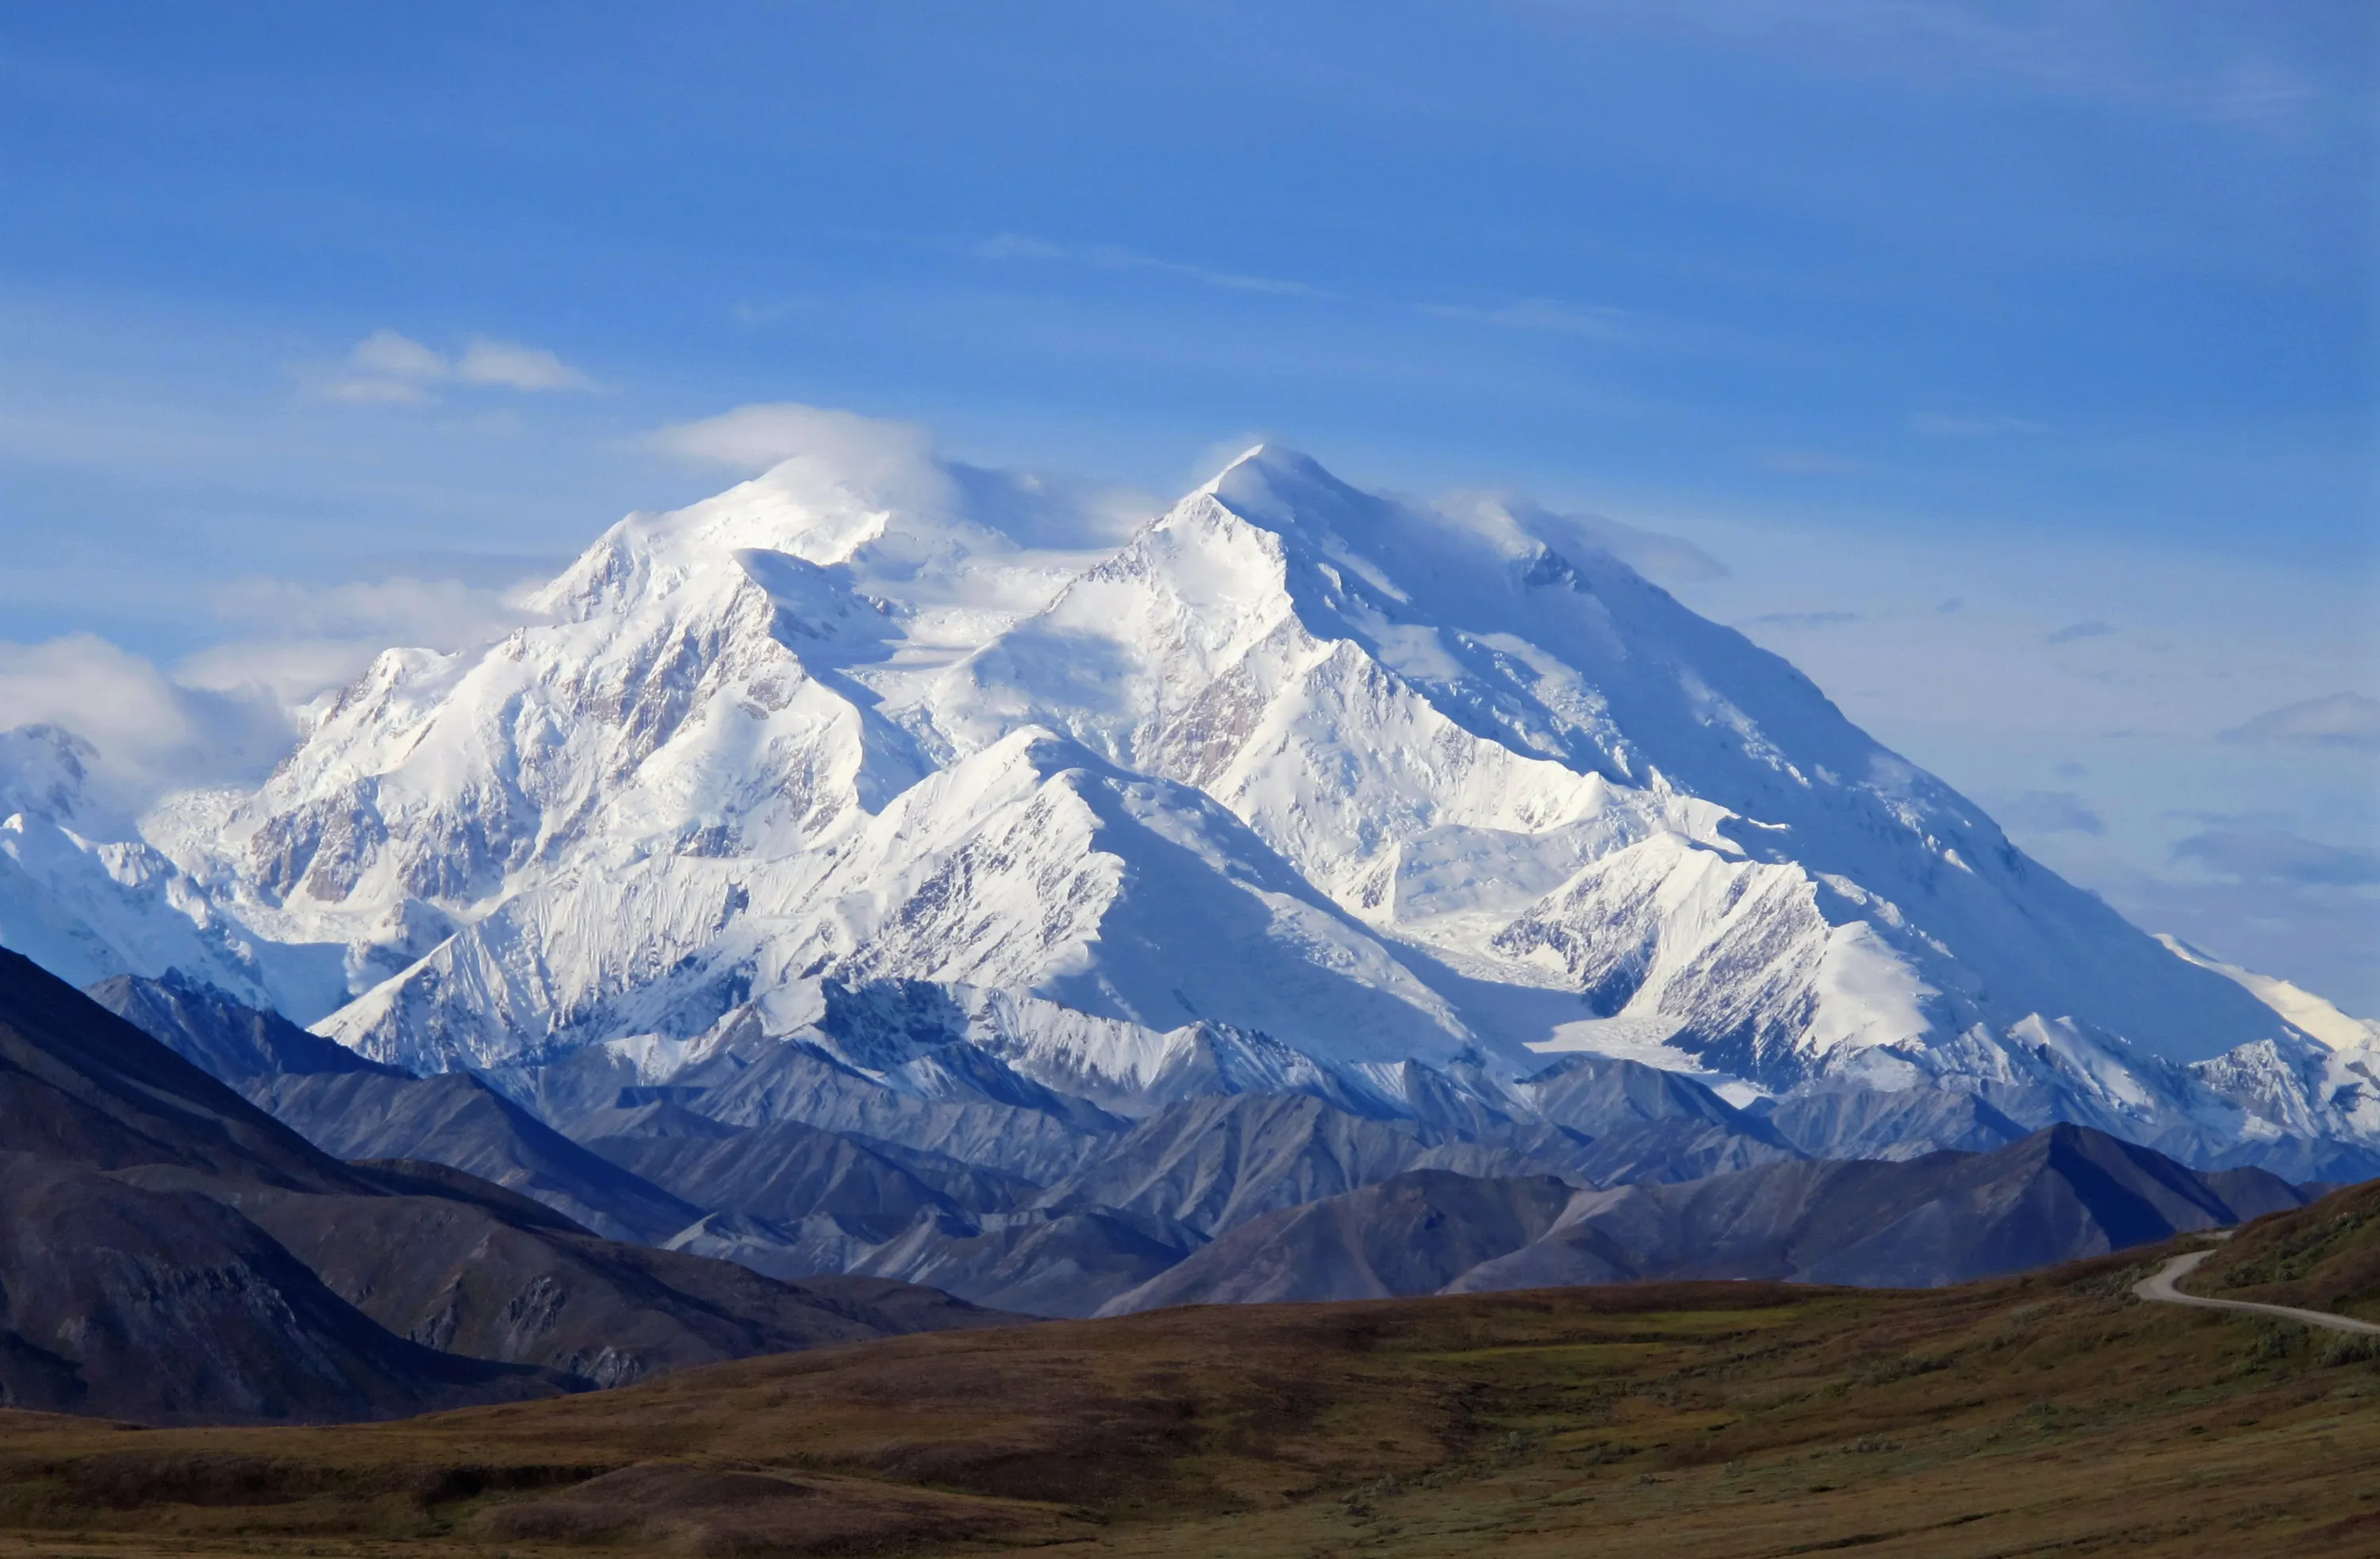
[[1298, 788]]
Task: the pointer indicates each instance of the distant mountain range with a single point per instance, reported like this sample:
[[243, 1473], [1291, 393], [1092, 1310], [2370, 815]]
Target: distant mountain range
[[788, 1160]]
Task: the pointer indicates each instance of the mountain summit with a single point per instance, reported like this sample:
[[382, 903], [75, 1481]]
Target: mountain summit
[[1378, 780]]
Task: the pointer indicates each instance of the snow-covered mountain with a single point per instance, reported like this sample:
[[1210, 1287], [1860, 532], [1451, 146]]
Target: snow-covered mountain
[[85, 897], [1376, 781]]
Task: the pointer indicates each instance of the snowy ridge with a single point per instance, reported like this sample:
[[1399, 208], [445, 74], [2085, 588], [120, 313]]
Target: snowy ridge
[[1296, 786], [2312, 1016]]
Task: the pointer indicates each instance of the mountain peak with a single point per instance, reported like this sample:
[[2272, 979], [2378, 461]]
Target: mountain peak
[[1276, 487]]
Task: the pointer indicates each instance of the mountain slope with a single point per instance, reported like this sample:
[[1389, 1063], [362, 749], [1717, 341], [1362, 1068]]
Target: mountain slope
[[1210, 1164], [168, 1306], [228, 1038], [458, 1121], [2056, 1195], [174, 1253], [789, 1171], [352, 1108], [458, 1267], [80, 1085], [1949, 1217], [1412, 1233], [2325, 1256]]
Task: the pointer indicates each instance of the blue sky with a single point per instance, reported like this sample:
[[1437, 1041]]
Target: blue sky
[[2064, 313]]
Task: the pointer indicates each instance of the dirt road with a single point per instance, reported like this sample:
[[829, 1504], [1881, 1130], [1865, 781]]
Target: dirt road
[[2159, 1286]]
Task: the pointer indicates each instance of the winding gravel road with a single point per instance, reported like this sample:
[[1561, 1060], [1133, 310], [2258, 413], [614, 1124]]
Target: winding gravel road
[[2159, 1286]]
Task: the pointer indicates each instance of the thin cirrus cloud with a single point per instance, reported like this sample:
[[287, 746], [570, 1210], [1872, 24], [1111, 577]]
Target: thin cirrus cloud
[[1598, 322], [2123, 51], [2341, 720], [1803, 619], [1115, 257], [2073, 632], [1595, 321], [2047, 811], [2274, 855], [1939, 424], [387, 367]]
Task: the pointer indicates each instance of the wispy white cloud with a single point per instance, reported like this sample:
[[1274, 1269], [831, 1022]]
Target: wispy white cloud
[[2259, 94], [2045, 811], [2347, 720], [1657, 554], [2073, 632], [754, 438], [389, 368], [815, 449], [1803, 619], [153, 733], [378, 392], [226, 714], [2124, 50], [291, 639], [1115, 257], [397, 357], [1936, 424], [1019, 246], [1595, 321], [2275, 855], [517, 367]]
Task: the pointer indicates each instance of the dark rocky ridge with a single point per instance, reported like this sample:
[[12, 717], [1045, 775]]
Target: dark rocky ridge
[[168, 1306], [2060, 1194], [352, 1108], [173, 1254]]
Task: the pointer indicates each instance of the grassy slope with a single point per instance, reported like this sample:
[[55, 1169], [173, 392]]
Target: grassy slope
[[2014, 1416], [2326, 1257]]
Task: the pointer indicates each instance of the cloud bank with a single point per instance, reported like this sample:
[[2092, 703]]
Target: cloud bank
[[228, 713], [151, 732]]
